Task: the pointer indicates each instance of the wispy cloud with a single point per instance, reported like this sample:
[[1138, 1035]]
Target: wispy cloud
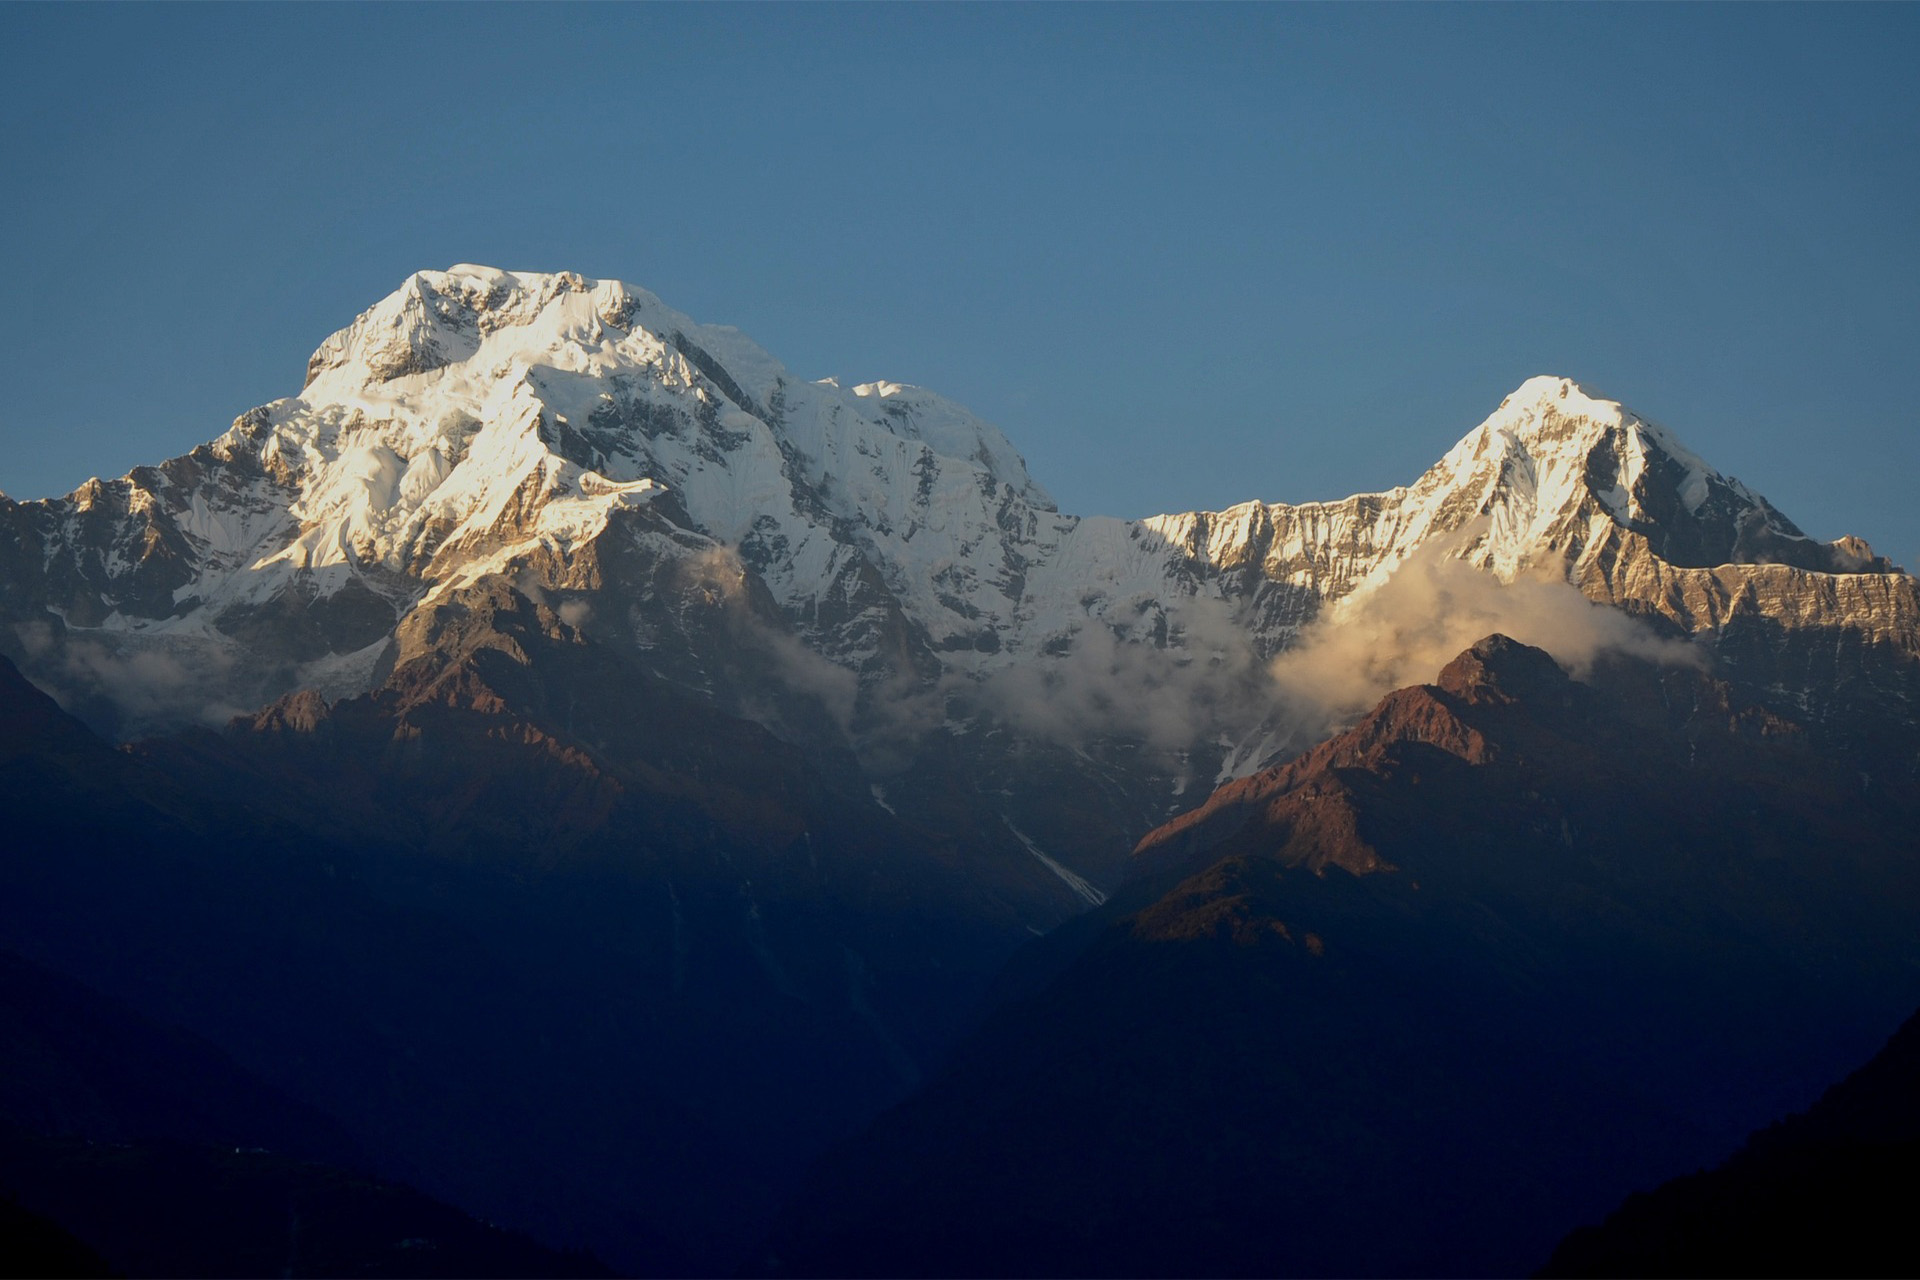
[[142, 685], [1208, 684], [1401, 630]]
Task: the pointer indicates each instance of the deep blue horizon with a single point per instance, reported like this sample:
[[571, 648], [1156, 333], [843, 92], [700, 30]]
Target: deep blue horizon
[[1184, 256]]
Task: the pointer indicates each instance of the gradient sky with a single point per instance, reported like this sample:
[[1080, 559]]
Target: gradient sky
[[1184, 256]]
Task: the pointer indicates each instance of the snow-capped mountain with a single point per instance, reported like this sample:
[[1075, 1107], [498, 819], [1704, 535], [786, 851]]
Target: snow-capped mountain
[[604, 704], [477, 421], [869, 563]]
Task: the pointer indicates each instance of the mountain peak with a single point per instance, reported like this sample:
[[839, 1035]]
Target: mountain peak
[[1498, 668], [1548, 409], [463, 334], [1552, 389], [1558, 465], [1550, 417], [441, 318]]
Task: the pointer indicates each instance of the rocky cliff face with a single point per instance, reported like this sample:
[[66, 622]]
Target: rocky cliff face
[[866, 570]]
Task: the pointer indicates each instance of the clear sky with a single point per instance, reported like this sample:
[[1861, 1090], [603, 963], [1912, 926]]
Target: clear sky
[[1184, 256]]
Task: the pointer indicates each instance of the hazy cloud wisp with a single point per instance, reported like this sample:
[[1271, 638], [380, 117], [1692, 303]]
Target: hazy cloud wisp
[[1404, 629]]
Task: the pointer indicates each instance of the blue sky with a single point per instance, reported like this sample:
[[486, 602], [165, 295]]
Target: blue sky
[[1185, 256]]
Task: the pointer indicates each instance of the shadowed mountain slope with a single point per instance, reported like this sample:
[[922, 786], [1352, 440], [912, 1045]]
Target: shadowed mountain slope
[[1412, 1004], [612, 995], [1825, 1192], [132, 1149]]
